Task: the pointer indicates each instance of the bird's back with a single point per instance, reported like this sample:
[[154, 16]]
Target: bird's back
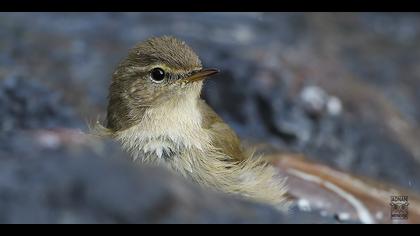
[[223, 137]]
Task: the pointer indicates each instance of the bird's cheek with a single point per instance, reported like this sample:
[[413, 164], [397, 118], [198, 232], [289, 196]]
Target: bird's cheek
[[135, 93], [139, 94]]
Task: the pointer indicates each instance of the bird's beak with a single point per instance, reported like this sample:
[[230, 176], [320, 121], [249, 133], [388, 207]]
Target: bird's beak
[[200, 75]]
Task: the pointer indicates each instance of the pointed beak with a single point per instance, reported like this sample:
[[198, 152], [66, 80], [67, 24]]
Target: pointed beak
[[200, 75]]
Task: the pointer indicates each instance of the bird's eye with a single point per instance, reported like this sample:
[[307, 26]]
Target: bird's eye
[[157, 75]]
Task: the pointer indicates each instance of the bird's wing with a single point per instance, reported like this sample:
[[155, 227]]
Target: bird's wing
[[223, 137]]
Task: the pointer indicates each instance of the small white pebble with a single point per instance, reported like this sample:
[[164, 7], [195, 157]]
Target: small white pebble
[[314, 97], [334, 106], [344, 216], [304, 205]]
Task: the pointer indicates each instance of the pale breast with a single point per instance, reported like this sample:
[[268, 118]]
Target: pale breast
[[167, 129]]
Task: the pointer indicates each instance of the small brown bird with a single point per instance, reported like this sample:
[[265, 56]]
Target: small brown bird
[[156, 113]]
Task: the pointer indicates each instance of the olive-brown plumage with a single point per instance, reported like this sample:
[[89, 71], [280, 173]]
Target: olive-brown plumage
[[156, 113]]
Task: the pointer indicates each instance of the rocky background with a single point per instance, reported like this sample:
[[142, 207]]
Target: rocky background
[[339, 89]]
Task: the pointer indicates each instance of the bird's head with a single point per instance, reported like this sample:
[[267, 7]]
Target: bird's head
[[156, 71]]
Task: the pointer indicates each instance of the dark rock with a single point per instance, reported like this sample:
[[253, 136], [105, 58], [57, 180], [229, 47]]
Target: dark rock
[[93, 183], [27, 104]]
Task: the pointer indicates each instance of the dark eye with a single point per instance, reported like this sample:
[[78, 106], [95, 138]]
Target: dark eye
[[157, 75]]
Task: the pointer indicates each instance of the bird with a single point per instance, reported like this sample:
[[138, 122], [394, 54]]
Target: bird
[[156, 113]]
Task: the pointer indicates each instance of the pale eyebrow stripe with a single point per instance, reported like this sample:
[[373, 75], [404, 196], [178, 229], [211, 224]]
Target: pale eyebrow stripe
[[133, 69]]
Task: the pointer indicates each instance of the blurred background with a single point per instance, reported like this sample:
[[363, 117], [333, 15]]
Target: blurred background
[[340, 89]]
